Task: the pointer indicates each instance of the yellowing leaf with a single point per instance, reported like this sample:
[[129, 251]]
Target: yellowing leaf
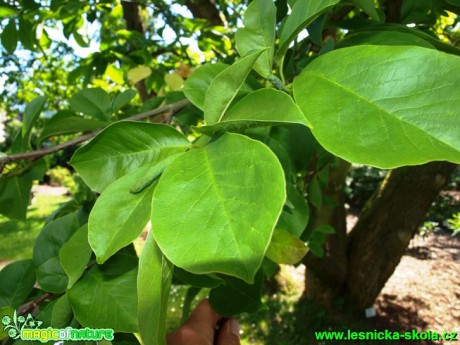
[[174, 81], [115, 74], [138, 73]]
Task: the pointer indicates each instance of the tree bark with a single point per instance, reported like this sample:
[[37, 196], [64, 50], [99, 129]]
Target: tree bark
[[133, 20], [204, 9], [387, 224], [325, 276]]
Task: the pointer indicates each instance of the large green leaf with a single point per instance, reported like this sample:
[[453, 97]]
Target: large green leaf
[[15, 190], [93, 102], [231, 194], [303, 14], [75, 254], [264, 107], [122, 148], [384, 106], [119, 215], [225, 86], [50, 274], [237, 296], [106, 296], [153, 284], [258, 33], [198, 83], [66, 122], [285, 248], [18, 279]]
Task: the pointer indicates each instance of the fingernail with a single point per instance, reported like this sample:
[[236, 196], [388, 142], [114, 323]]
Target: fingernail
[[235, 327]]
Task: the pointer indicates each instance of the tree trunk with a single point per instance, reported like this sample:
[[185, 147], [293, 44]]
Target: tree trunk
[[133, 20], [325, 276], [204, 9], [386, 226]]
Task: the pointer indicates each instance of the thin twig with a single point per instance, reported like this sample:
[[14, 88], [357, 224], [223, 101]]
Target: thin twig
[[170, 109], [34, 303]]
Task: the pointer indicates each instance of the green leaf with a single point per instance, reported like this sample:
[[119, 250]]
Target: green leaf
[[154, 284], [315, 194], [225, 87], [264, 107], [258, 33], [57, 314], [119, 216], [31, 114], [197, 280], [198, 83], [75, 254], [94, 102], [66, 122], [122, 148], [285, 248], [368, 7], [62, 313], [365, 112], [303, 14], [109, 292], [294, 219], [237, 296], [6, 11], [325, 229], [9, 36], [15, 191], [393, 38], [232, 192], [122, 99], [26, 33], [50, 274], [18, 279]]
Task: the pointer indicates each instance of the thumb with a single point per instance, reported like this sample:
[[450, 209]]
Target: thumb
[[229, 333]]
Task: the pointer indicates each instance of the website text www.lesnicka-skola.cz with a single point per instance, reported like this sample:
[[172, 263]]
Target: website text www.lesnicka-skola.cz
[[386, 335]]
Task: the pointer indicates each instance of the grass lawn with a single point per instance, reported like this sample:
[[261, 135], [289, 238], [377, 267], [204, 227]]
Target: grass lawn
[[16, 237]]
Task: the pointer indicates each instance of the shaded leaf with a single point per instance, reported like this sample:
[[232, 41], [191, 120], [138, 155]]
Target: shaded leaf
[[109, 292], [237, 296], [75, 254], [18, 279], [50, 274]]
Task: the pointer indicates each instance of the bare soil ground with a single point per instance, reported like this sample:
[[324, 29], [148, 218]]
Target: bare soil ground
[[424, 291]]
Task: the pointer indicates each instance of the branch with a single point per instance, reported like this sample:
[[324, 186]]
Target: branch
[[169, 109], [35, 303]]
